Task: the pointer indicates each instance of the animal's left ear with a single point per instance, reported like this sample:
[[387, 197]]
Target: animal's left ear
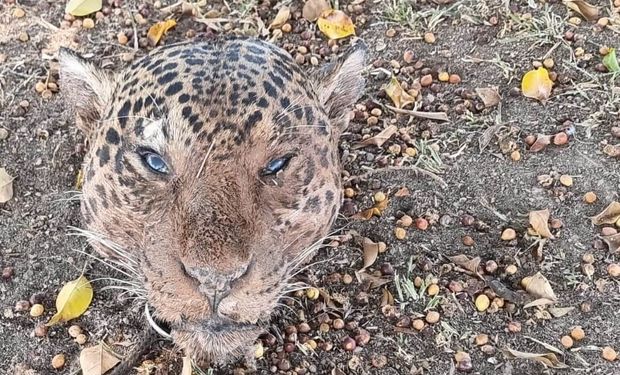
[[340, 84]]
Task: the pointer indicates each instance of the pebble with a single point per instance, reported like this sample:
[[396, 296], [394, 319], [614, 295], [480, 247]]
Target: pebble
[[408, 56], [567, 342], [432, 290], [429, 38], [400, 233], [548, 63], [560, 139], [40, 330], [88, 23], [511, 269], [577, 333], [454, 79], [514, 327], [481, 339], [421, 223], [432, 317], [74, 331], [613, 270], [7, 272], [566, 180], [18, 13], [482, 302], [443, 76], [37, 310], [426, 80], [508, 234], [609, 354], [418, 324], [21, 306], [349, 344], [23, 36], [82, 338], [589, 197]]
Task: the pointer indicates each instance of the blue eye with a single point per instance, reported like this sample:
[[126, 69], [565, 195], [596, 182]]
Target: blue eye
[[275, 166], [155, 162]]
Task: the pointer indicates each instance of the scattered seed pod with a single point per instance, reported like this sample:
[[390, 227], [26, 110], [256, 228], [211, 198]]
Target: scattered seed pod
[[556, 223], [88, 23], [508, 234], [566, 180], [454, 79], [608, 231], [289, 347], [363, 337], [421, 223], [613, 270], [418, 324], [405, 221], [455, 286], [432, 290], [511, 269], [82, 338], [515, 155], [468, 241], [432, 317], [400, 233], [577, 333], [429, 38], [426, 80], [514, 327], [349, 193], [463, 362], [588, 258], [379, 197], [467, 220], [487, 349], [443, 76], [58, 361], [348, 344], [482, 302], [40, 330], [347, 279], [7, 272], [589, 197], [587, 269], [567, 342], [338, 323], [609, 354], [312, 293], [36, 310], [490, 266]]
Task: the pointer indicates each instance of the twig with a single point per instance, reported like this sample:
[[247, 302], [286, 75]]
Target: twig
[[438, 116], [403, 168]]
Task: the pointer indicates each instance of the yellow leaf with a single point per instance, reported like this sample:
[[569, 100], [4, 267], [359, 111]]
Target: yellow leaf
[[73, 300], [536, 84], [83, 7], [539, 220], [283, 15], [399, 97], [335, 24], [158, 30], [6, 186], [97, 360]]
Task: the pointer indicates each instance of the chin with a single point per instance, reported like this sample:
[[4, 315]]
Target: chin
[[216, 343]]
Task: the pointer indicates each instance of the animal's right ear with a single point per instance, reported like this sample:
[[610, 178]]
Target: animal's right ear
[[86, 88]]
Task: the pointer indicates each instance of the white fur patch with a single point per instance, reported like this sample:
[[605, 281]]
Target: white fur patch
[[153, 132]]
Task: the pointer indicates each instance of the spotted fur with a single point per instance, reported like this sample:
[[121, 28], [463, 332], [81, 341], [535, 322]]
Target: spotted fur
[[215, 239]]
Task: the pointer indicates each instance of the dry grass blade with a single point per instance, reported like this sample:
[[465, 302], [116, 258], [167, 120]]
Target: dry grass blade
[[547, 359], [437, 116]]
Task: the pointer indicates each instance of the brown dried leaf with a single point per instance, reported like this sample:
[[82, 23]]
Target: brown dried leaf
[[539, 302], [489, 95], [371, 251], [539, 220], [613, 242], [540, 287], [399, 97], [610, 214], [588, 11], [97, 360], [379, 139], [541, 142], [313, 9], [387, 298], [283, 15], [504, 292], [6, 186], [402, 192], [559, 312], [463, 261], [547, 359], [364, 215], [373, 281]]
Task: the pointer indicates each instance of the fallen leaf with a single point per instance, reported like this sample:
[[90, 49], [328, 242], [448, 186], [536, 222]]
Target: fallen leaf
[[489, 95], [371, 251], [335, 24], [613, 242], [539, 220], [83, 7], [158, 30], [588, 11], [387, 298], [373, 281], [463, 261], [399, 97], [612, 150], [402, 192], [610, 214], [504, 292], [547, 359], [379, 139], [73, 300], [283, 15], [541, 142], [536, 84], [559, 312], [611, 61], [314, 8], [6, 186], [364, 215], [539, 302], [540, 287], [97, 360]]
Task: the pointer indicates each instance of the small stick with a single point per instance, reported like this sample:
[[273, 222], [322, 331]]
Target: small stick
[[438, 116]]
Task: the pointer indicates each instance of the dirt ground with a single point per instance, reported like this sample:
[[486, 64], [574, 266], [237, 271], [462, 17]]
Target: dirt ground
[[463, 179]]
